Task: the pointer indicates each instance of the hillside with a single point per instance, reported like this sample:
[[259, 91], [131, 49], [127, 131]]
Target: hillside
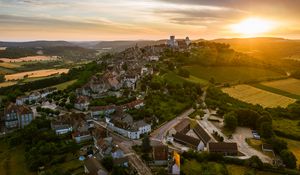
[[36, 44], [122, 45], [267, 48]]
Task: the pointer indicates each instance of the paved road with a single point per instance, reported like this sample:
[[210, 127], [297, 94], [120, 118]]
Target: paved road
[[126, 145], [159, 133]]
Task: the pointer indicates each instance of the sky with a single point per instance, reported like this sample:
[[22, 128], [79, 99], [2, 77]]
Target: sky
[[91, 20]]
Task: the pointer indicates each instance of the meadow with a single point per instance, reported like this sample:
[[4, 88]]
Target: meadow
[[290, 85], [254, 95], [287, 126], [231, 74], [35, 74]]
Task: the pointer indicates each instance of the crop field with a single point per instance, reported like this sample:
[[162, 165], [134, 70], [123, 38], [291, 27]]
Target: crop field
[[290, 85], [9, 65], [230, 74], [29, 58], [254, 95], [35, 74], [8, 83], [294, 146]]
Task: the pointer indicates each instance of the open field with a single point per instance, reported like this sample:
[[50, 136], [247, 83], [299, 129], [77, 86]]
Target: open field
[[230, 74], [64, 85], [276, 91], [29, 58], [174, 78], [34, 74], [287, 126], [12, 161], [290, 85], [9, 65], [254, 95], [240, 170], [294, 146], [8, 83]]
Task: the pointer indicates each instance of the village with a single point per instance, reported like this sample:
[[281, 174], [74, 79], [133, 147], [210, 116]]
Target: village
[[110, 129]]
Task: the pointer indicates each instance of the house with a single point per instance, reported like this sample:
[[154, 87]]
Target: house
[[97, 111], [129, 81], [82, 103], [153, 58], [119, 157], [81, 136], [125, 126], [104, 146], [93, 167], [22, 100], [61, 128], [134, 104], [17, 116], [146, 71], [202, 134], [184, 126], [34, 96], [189, 141], [227, 149], [160, 154]]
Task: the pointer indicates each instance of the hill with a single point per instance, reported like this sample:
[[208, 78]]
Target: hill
[[122, 45], [266, 48], [32, 44]]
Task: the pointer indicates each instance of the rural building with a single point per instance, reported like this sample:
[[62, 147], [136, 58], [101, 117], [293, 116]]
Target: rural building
[[125, 126], [267, 147], [17, 116], [81, 136], [97, 111], [227, 149], [93, 167], [188, 141], [61, 128], [202, 134], [134, 104], [160, 154], [184, 126], [82, 103]]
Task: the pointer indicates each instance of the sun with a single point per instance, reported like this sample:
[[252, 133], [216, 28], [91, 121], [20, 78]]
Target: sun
[[253, 27]]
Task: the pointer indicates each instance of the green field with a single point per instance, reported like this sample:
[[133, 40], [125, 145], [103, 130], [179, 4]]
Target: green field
[[230, 74], [12, 161], [174, 78], [287, 126], [240, 170], [64, 85], [276, 91]]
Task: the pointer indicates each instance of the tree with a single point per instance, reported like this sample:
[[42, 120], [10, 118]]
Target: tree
[[146, 147], [254, 162], [266, 130], [108, 163], [184, 73], [277, 144], [2, 78], [230, 120], [288, 158]]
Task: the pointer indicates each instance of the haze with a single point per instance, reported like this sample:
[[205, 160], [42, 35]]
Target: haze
[[146, 19]]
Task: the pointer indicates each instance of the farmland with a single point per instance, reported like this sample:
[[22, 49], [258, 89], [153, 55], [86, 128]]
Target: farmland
[[289, 85], [8, 83], [231, 74], [34, 74], [287, 126], [294, 146], [29, 58], [254, 95]]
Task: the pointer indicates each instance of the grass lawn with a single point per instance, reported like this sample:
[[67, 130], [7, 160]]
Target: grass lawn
[[231, 74], [287, 126], [256, 144], [294, 146], [64, 85], [12, 161], [276, 91], [172, 77]]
